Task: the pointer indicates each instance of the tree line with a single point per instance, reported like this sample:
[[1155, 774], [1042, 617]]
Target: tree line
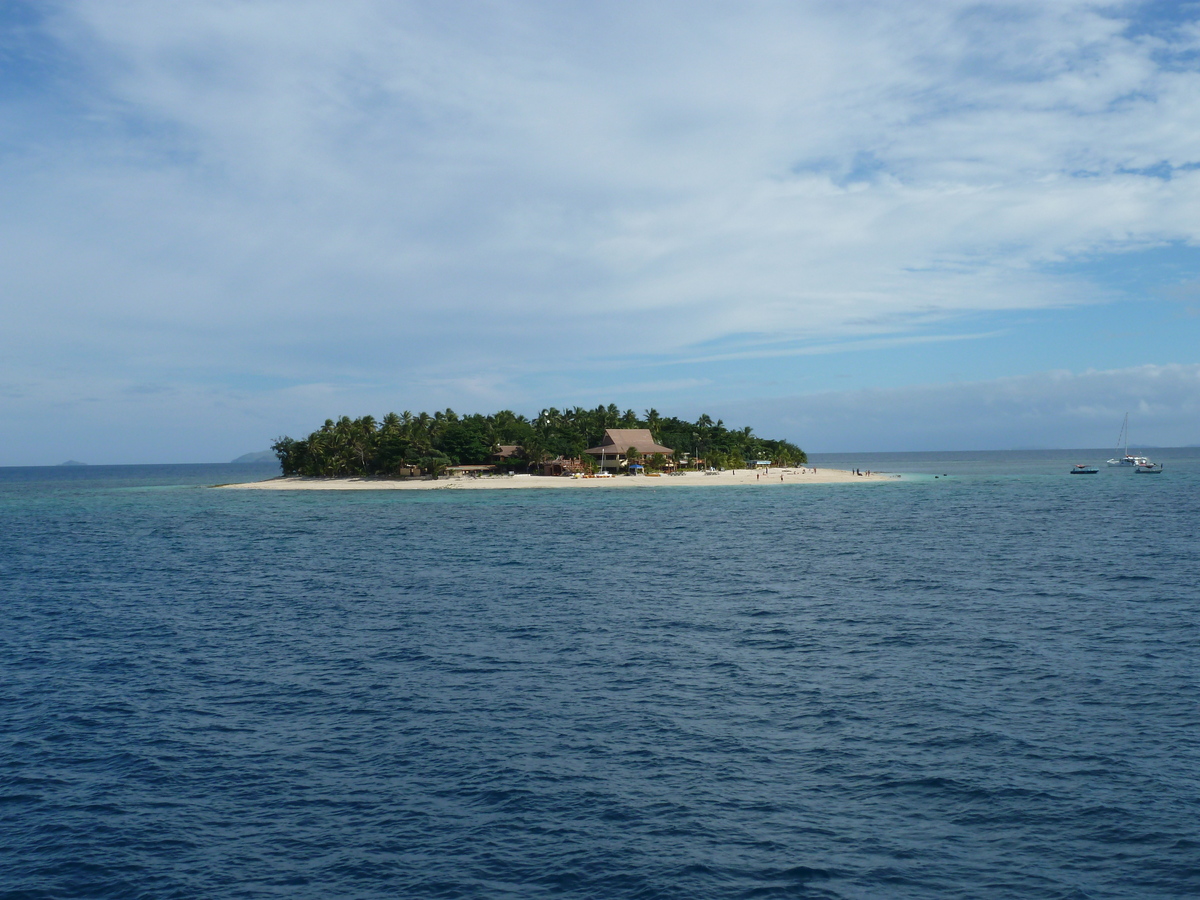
[[403, 444]]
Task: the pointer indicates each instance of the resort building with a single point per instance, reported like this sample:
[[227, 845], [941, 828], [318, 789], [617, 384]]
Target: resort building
[[613, 451], [562, 466], [505, 452]]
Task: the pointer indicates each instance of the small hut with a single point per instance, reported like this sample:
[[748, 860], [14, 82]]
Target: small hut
[[561, 466]]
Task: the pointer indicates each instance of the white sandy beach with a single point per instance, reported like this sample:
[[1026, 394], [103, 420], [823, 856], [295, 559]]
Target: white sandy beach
[[518, 482]]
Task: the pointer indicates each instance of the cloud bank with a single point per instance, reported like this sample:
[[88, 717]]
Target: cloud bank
[[1041, 411]]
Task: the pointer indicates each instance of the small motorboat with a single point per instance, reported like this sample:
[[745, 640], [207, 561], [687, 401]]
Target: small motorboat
[[1082, 469], [1149, 468]]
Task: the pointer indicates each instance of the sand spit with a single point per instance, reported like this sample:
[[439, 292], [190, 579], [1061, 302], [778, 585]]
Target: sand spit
[[528, 482]]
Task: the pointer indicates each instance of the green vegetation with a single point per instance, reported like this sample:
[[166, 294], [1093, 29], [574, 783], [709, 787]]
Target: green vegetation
[[404, 444]]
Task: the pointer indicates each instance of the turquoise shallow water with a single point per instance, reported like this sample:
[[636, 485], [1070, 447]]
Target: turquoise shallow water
[[979, 684]]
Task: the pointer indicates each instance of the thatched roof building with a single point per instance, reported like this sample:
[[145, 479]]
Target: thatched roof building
[[617, 443]]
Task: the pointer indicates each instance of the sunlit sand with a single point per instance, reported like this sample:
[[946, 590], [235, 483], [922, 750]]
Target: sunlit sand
[[765, 479]]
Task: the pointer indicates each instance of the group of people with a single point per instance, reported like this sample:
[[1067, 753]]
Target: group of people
[[758, 475]]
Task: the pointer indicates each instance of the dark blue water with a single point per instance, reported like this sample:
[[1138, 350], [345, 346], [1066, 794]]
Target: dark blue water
[[978, 685]]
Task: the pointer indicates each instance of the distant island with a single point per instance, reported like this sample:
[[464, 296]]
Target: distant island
[[262, 456], [72, 462], [554, 442]]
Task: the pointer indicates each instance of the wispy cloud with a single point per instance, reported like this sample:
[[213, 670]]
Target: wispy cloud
[[841, 347]]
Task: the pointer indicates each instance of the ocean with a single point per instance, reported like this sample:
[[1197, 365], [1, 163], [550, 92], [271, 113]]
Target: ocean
[[978, 680]]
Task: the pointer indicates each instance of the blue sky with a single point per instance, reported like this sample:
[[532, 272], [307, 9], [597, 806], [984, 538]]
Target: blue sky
[[865, 226]]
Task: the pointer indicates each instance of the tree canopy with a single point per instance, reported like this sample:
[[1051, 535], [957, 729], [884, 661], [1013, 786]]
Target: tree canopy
[[403, 444]]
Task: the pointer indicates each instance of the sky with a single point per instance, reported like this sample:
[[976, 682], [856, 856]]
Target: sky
[[859, 226]]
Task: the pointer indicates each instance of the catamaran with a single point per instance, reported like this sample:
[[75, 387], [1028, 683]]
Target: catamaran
[[1127, 461]]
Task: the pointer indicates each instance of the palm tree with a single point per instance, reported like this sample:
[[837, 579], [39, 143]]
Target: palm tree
[[653, 420], [533, 451], [422, 428], [319, 453], [362, 443]]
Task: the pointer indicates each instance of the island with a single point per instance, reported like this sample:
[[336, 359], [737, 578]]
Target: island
[[554, 442], [260, 456], [556, 448]]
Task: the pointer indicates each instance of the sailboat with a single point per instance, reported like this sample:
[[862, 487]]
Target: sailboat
[[1127, 461]]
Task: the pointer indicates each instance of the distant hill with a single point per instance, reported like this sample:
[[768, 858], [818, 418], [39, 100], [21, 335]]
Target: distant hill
[[72, 462], [260, 456]]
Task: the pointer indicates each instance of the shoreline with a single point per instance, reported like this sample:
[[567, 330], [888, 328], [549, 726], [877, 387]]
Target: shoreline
[[794, 475]]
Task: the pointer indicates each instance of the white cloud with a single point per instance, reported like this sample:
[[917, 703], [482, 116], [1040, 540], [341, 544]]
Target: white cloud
[[421, 195]]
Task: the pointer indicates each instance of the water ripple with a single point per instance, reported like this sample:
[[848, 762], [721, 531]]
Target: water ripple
[[923, 690]]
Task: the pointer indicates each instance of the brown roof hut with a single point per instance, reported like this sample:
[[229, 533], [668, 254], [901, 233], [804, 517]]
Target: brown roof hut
[[617, 443]]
